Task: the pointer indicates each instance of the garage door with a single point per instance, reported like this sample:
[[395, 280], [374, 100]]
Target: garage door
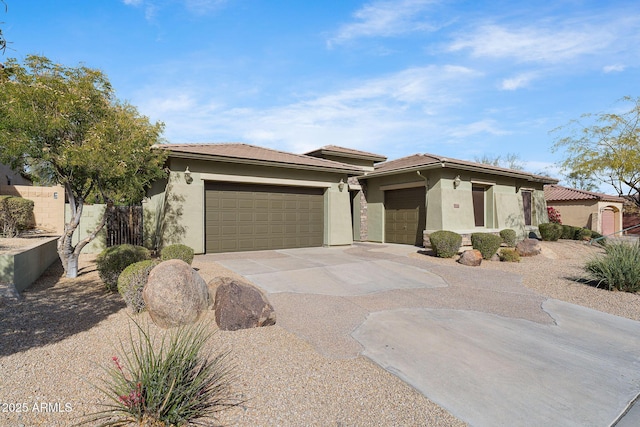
[[246, 217], [405, 217]]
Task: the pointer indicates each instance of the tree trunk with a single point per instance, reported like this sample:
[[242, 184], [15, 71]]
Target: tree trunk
[[68, 253]]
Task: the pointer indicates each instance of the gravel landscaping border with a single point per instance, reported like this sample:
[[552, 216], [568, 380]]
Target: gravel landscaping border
[[54, 342]]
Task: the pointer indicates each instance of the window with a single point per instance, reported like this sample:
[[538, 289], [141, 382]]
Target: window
[[526, 204], [478, 204]]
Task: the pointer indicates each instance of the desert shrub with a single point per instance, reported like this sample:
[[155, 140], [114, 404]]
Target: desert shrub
[[16, 215], [582, 234], [618, 268], [598, 238], [509, 255], [174, 382], [131, 283], [445, 243], [550, 231], [487, 243], [569, 232], [554, 215], [177, 251], [508, 237], [112, 261]]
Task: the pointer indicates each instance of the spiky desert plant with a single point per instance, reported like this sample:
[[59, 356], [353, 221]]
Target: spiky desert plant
[[174, 382]]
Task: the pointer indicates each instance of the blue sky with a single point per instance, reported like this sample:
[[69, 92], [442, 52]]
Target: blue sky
[[460, 79]]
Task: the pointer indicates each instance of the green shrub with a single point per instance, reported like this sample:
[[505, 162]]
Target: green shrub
[[508, 237], [618, 268], [112, 261], [569, 232], [487, 243], [550, 231], [509, 255], [174, 382], [183, 252], [16, 215], [445, 244], [131, 283], [598, 238], [582, 234]]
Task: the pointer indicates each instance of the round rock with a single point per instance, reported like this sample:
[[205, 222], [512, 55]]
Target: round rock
[[175, 294]]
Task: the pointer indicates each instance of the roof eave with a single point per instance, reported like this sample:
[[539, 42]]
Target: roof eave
[[512, 174], [257, 162]]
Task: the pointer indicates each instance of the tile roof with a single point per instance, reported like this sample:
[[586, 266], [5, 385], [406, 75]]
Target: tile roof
[[240, 151], [558, 193], [347, 152], [417, 161]]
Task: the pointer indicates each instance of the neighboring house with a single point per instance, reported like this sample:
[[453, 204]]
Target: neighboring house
[[236, 197], [596, 211], [10, 177]]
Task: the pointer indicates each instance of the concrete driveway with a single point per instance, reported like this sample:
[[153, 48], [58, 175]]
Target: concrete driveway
[[476, 342]]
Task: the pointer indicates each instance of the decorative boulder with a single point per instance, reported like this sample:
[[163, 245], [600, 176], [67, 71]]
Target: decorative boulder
[[175, 294], [213, 286], [529, 247], [240, 305], [471, 258]]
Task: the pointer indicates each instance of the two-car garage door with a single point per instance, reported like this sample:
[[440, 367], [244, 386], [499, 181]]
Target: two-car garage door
[[245, 217]]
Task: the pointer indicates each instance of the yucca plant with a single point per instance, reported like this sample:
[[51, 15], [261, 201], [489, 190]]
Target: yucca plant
[[173, 382], [618, 268]]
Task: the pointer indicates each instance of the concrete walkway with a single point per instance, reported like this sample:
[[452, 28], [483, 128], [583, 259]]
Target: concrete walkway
[[476, 342]]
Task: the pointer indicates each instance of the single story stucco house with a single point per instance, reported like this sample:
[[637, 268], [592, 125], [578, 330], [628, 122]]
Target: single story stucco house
[[596, 211], [237, 197]]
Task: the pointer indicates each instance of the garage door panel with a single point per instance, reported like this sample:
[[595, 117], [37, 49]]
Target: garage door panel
[[405, 217], [256, 217]]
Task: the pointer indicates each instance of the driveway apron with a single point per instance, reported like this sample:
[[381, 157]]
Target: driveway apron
[[477, 342]]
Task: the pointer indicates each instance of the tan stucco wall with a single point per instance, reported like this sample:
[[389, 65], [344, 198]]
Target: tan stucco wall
[[451, 208], [587, 213], [187, 199], [48, 204]]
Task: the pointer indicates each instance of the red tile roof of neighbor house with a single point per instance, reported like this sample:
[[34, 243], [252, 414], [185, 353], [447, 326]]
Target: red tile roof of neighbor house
[[347, 152], [558, 193], [252, 153], [421, 161]]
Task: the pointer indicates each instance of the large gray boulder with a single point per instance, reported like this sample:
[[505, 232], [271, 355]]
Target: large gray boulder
[[471, 258], [175, 294], [529, 247], [240, 305]]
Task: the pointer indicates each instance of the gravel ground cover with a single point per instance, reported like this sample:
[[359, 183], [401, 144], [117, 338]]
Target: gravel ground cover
[[54, 342]]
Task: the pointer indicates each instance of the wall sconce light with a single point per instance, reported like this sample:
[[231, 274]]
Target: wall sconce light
[[341, 185], [55, 195], [456, 182], [187, 176]]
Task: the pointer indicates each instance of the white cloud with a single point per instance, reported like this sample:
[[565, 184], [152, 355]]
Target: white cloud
[[479, 127], [534, 43], [132, 2], [517, 82], [613, 68], [371, 113], [384, 19]]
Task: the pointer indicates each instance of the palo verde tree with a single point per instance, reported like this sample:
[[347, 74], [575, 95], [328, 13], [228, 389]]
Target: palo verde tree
[[605, 146], [66, 123]]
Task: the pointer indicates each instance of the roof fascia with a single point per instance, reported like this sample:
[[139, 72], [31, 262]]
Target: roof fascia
[[257, 162], [454, 165]]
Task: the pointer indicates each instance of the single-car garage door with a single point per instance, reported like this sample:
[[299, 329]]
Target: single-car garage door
[[246, 217], [405, 217]]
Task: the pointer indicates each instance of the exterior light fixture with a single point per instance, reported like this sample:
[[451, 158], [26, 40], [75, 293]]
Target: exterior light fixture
[[341, 185], [456, 181], [187, 176]]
